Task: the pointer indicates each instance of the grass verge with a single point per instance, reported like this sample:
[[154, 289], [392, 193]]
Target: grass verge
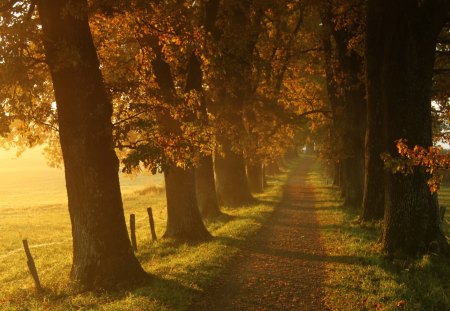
[[181, 272], [359, 277]]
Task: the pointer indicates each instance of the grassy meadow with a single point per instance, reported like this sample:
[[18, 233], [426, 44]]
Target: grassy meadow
[[359, 277], [35, 208]]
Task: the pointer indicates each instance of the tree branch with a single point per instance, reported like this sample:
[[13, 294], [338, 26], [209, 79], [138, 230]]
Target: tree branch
[[327, 113], [129, 118], [31, 9]]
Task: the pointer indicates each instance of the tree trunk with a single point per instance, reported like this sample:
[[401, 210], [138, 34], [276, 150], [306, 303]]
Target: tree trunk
[[273, 169], [336, 174], [206, 188], [239, 22], [375, 144], [264, 176], [342, 187], [347, 95], [309, 148], [255, 177], [183, 217], [407, 32], [102, 253], [204, 172], [352, 170], [374, 182], [353, 161], [232, 186]]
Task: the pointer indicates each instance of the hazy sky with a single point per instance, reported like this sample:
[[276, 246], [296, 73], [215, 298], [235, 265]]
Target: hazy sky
[[28, 180]]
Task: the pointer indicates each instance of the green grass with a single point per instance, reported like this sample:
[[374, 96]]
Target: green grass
[[444, 199], [180, 272], [359, 277]]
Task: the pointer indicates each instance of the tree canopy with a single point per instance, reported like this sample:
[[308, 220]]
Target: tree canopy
[[213, 92]]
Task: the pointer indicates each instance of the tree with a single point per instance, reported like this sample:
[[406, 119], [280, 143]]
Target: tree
[[342, 20], [183, 216], [102, 253], [235, 45], [205, 183], [158, 131], [269, 132], [401, 42], [441, 89]]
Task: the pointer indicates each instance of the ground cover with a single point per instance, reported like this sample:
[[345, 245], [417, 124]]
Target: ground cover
[[359, 277], [180, 271]]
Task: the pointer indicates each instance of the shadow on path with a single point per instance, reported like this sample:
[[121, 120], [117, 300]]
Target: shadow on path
[[282, 267]]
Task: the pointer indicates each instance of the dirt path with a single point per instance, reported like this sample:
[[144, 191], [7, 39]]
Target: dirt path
[[282, 267]]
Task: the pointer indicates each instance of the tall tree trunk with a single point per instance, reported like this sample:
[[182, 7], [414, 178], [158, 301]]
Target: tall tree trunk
[[273, 168], [183, 216], [232, 186], [206, 188], [353, 181], [239, 21], [264, 176], [204, 172], [353, 162], [407, 32], [335, 170], [102, 253], [335, 103], [347, 96], [255, 177], [375, 144]]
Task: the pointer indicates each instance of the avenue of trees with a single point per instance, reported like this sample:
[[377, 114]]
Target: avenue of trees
[[215, 95]]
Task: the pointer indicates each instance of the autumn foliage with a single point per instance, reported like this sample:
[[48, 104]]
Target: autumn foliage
[[432, 159]]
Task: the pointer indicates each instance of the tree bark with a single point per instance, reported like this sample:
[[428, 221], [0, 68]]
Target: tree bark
[[183, 218], [204, 172], [375, 144], [335, 102], [255, 177], [235, 85], [184, 222], [232, 186], [273, 169], [407, 33], [336, 174], [353, 161], [102, 253], [347, 96], [208, 203]]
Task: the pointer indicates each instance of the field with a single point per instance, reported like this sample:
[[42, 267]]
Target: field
[[360, 277], [357, 277], [39, 213]]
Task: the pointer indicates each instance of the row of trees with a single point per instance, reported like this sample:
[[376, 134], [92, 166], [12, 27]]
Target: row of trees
[[167, 85], [161, 86], [380, 84]]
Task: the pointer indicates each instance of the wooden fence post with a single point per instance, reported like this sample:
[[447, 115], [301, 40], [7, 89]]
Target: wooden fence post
[[32, 266], [152, 223], [133, 231]]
